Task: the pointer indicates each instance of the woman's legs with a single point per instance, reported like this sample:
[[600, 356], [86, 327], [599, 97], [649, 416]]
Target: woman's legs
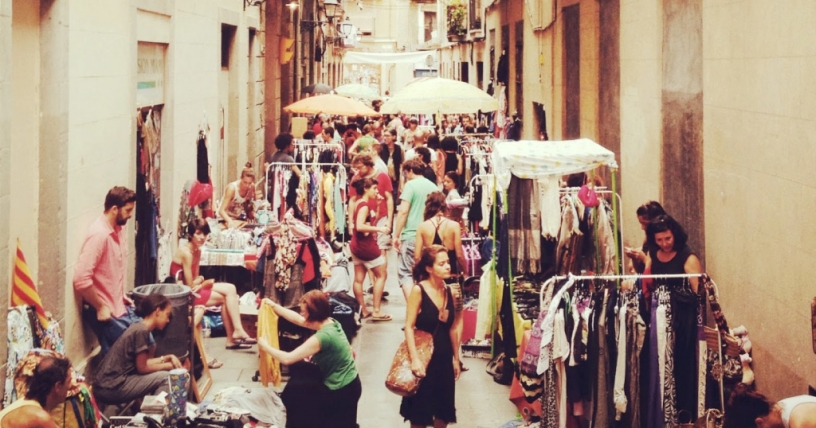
[[224, 294], [439, 423], [378, 281], [359, 277]]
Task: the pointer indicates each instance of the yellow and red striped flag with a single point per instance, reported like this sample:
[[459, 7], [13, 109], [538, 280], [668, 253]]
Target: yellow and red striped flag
[[23, 290]]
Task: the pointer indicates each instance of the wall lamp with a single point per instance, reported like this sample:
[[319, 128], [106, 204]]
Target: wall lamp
[[333, 10], [253, 3]]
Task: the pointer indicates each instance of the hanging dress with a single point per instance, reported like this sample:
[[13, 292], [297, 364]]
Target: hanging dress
[[436, 395]]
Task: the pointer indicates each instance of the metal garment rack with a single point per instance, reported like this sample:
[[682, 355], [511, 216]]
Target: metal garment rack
[[604, 191], [303, 164], [573, 279]]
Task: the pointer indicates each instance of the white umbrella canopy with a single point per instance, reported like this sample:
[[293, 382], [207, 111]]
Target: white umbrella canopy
[[440, 95], [358, 91]]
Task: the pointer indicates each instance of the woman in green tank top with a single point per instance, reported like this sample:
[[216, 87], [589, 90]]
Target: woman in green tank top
[[330, 350]]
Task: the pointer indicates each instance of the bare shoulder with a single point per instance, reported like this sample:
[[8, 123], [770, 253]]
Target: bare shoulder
[[28, 417]]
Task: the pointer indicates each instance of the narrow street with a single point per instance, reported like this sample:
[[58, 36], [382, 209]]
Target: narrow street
[[480, 402]]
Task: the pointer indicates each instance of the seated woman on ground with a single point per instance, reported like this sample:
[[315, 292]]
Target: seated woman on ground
[[335, 403], [185, 270], [129, 369]]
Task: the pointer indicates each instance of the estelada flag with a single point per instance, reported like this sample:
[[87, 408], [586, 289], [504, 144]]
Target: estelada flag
[[23, 290]]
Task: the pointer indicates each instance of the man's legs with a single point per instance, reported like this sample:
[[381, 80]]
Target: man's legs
[[107, 332], [384, 244], [406, 266]]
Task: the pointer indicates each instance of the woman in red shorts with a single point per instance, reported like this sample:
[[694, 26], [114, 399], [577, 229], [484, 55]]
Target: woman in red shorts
[[185, 268]]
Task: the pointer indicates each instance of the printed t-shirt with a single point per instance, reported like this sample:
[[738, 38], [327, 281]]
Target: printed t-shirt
[[334, 359], [120, 361], [416, 191], [363, 247], [383, 185]]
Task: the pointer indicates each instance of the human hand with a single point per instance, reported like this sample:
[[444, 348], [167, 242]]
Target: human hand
[[208, 283], [128, 301], [269, 302], [263, 343], [384, 229], [396, 243], [417, 369], [174, 361], [457, 368], [103, 314]]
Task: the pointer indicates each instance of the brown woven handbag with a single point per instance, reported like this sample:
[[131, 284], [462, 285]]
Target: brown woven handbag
[[401, 379]]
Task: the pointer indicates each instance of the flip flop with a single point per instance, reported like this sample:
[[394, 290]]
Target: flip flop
[[365, 317], [238, 345], [247, 341], [381, 318], [215, 364]]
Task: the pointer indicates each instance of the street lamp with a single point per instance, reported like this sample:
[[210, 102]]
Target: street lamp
[[333, 9], [292, 5]]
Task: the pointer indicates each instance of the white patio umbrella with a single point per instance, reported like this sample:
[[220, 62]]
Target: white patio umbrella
[[440, 95], [358, 91]]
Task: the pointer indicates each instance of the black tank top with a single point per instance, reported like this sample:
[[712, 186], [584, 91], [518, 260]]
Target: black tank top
[[451, 253], [674, 266], [451, 162]]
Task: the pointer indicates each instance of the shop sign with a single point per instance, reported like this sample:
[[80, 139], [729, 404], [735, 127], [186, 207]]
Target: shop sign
[[150, 73]]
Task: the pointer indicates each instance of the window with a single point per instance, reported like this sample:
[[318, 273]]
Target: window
[[519, 30], [429, 26], [227, 37], [475, 14], [465, 72], [479, 73]]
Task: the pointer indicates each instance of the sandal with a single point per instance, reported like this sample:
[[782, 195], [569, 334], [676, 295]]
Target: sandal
[[238, 345], [367, 316], [215, 364], [381, 318], [247, 341]]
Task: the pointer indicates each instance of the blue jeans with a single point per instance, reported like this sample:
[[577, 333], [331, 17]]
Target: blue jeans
[[108, 331]]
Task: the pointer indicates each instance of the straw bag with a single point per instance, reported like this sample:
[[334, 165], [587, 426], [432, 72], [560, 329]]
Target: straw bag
[[401, 379]]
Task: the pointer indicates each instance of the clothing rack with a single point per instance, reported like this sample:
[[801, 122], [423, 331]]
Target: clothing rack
[[574, 279], [303, 165], [603, 191]]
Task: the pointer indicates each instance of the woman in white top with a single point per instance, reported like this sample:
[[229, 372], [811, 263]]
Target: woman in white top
[[238, 196], [749, 409]]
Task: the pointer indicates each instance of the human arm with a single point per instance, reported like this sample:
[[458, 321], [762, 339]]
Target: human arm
[[460, 168], [361, 223], [399, 224], [412, 311], [146, 365], [389, 204], [457, 245], [419, 241], [310, 347], [288, 314], [89, 257], [456, 340], [693, 265], [229, 194], [190, 270]]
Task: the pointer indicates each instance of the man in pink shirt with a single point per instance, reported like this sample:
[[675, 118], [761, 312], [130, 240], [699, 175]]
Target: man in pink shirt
[[99, 277]]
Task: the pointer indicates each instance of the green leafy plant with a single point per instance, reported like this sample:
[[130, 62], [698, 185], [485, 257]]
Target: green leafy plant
[[457, 14]]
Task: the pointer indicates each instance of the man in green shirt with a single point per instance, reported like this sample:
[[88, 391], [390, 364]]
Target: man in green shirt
[[410, 214]]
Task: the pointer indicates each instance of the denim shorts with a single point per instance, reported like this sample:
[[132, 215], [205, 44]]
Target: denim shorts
[[406, 262]]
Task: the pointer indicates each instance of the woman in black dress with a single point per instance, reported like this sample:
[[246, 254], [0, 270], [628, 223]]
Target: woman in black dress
[[431, 309]]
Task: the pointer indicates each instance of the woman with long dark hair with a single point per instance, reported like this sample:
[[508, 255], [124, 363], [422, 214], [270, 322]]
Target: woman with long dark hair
[[431, 309]]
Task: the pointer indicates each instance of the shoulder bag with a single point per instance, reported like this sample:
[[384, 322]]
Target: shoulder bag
[[401, 379]]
